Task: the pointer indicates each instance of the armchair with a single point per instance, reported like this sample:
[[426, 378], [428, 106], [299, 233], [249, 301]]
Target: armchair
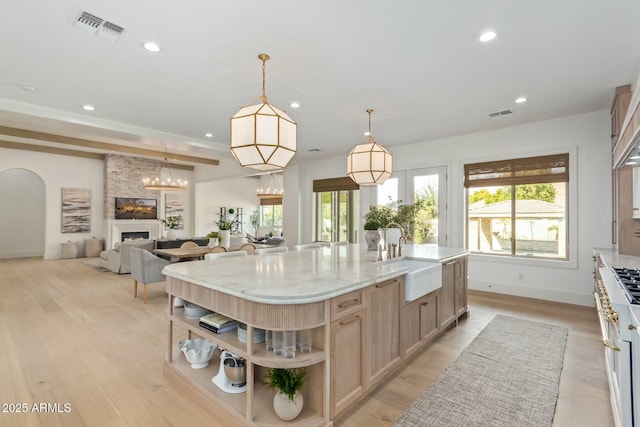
[[145, 268]]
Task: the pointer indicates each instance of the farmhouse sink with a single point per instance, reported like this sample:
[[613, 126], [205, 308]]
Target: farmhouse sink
[[422, 277]]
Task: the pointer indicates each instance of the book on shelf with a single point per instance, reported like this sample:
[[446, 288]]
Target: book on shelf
[[218, 320], [215, 330]]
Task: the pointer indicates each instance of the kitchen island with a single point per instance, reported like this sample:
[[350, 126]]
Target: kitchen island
[[363, 327]]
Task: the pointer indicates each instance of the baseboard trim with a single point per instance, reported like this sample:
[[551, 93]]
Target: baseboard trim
[[533, 292]]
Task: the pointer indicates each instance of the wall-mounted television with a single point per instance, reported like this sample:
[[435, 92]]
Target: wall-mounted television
[[134, 208]]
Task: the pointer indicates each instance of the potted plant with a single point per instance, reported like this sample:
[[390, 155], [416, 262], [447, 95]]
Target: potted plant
[[171, 222], [377, 218], [225, 231], [288, 400]]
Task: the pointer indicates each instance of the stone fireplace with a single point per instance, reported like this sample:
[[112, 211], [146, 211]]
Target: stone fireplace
[[115, 228]]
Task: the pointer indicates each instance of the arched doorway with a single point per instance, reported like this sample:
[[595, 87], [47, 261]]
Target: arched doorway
[[22, 214]]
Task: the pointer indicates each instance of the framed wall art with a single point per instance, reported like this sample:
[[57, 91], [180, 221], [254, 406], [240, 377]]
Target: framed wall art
[[76, 210], [174, 205]]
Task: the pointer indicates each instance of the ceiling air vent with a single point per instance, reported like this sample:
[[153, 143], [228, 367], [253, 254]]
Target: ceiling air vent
[[98, 26], [501, 113]]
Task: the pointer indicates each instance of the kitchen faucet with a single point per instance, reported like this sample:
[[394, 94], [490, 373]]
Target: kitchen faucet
[[389, 253]]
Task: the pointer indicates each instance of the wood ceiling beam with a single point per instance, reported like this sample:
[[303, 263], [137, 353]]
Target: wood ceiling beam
[[50, 150], [79, 142]]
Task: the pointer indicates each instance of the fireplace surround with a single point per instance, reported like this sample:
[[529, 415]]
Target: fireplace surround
[[115, 228]]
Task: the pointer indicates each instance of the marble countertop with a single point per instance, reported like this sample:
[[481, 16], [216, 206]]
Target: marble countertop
[[297, 277]]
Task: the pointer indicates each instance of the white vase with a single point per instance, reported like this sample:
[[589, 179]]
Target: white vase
[[225, 238], [213, 242], [372, 237], [171, 234], [286, 409]]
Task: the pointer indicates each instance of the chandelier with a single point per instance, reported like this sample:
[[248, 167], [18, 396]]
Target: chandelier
[[369, 163], [166, 183], [271, 191], [263, 136]]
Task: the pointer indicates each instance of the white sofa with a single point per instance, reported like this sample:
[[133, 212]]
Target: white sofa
[[117, 259]]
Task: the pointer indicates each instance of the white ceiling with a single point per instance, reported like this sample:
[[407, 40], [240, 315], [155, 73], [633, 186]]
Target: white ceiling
[[417, 63]]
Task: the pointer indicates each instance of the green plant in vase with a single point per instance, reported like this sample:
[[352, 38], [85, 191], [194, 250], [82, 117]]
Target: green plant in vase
[[288, 401]]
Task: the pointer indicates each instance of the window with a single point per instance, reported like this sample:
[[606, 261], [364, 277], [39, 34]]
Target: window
[[271, 216], [518, 207]]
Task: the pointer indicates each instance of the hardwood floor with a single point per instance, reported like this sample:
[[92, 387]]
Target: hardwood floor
[[73, 335]]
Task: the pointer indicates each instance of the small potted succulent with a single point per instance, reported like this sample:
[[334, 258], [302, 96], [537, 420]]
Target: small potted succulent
[[288, 400]]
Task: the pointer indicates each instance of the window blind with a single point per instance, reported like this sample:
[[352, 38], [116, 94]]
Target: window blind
[[271, 201], [334, 184], [527, 170]]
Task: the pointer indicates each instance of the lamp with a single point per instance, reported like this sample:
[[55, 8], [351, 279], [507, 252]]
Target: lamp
[[263, 136], [159, 183], [271, 191], [369, 163]]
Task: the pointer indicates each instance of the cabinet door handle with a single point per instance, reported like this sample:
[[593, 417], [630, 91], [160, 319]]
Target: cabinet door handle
[[349, 303], [607, 344], [385, 284], [350, 320], [424, 304]]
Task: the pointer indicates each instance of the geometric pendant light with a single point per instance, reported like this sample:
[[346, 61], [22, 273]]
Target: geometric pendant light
[[369, 163], [263, 136]]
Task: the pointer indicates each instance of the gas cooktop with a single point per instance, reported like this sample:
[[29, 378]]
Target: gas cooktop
[[629, 279]]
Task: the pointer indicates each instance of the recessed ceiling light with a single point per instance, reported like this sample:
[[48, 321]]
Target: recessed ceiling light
[[295, 105], [89, 107], [521, 99], [208, 135], [487, 36], [367, 133], [29, 88], [152, 47]]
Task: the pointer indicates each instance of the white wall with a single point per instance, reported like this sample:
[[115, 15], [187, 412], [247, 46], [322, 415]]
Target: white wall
[[59, 171], [229, 193], [586, 135]]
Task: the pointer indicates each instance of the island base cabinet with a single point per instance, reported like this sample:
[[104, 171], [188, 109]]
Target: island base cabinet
[[421, 321], [453, 294], [347, 368], [384, 302]]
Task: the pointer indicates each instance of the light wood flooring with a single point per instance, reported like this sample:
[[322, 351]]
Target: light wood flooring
[[70, 334]]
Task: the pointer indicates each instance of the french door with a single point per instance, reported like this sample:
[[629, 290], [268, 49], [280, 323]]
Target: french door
[[337, 216], [427, 190]]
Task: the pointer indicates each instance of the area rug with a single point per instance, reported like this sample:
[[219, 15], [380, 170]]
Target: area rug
[[95, 263], [507, 376]]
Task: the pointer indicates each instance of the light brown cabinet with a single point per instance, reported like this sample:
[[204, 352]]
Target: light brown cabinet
[[421, 321], [619, 108], [383, 328], [347, 360], [460, 286], [453, 295]]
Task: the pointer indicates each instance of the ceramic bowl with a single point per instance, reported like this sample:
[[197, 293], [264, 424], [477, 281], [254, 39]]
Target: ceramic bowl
[[198, 352]]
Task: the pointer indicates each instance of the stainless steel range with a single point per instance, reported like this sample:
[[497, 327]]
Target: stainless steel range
[[629, 280]]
